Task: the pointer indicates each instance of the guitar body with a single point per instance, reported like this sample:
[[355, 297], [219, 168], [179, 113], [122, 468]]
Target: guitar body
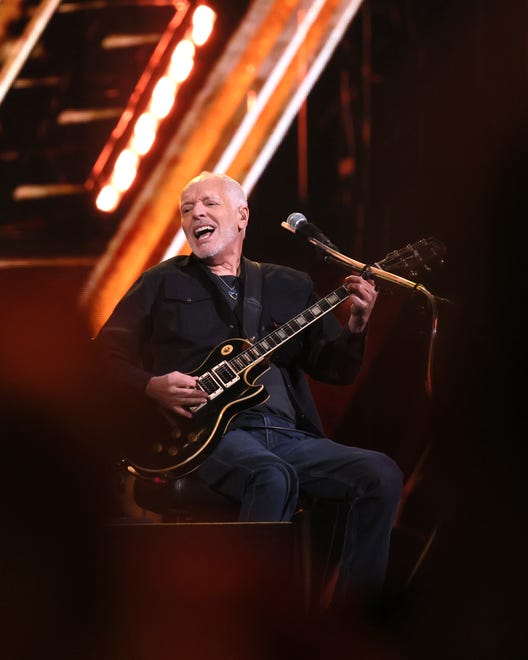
[[176, 445]]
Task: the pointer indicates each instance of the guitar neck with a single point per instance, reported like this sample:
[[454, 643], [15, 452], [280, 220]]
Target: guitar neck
[[226, 373], [271, 342]]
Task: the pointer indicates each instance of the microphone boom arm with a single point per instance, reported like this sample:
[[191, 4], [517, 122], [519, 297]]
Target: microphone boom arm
[[357, 266], [378, 274]]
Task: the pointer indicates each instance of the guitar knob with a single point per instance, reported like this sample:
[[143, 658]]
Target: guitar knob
[[172, 450], [157, 448]]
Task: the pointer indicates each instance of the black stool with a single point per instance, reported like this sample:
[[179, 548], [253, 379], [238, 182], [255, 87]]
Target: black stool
[[185, 499]]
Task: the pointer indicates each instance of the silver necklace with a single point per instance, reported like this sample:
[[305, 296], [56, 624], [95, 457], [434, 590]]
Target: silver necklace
[[232, 290]]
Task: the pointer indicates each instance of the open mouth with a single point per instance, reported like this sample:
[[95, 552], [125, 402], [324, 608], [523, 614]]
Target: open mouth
[[203, 232]]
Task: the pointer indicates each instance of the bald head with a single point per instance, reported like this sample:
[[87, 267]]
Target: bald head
[[231, 186]]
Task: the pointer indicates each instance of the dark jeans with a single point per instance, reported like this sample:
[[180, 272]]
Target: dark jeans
[[264, 464]]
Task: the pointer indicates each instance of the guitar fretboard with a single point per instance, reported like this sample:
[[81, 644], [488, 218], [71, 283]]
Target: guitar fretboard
[[228, 372], [263, 347]]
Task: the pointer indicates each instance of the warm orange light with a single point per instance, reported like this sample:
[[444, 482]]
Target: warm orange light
[[107, 199], [202, 24], [182, 61], [251, 100], [144, 133], [163, 96], [125, 170]]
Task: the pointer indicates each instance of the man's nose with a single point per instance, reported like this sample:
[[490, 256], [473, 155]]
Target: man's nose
[[199, 209]]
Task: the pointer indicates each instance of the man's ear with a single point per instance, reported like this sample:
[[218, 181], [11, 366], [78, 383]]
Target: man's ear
[[244, 214]]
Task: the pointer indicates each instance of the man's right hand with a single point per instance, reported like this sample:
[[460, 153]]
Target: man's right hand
[[176, 391]]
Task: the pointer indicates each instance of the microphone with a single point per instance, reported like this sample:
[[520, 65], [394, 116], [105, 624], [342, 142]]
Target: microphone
[[300, 225]]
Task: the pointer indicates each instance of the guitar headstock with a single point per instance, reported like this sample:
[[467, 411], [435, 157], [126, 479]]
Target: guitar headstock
[[414, 258]]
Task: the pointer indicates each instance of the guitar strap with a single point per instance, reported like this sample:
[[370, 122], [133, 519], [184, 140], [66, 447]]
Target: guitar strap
[[252, 299]]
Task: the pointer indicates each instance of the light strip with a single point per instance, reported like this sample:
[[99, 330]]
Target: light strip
[[128, 40], [85, 116], [28, 191], [302, 92], [268, 88]]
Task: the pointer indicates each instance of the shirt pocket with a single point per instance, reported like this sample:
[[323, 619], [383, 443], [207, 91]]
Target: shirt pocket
[[185, 315]]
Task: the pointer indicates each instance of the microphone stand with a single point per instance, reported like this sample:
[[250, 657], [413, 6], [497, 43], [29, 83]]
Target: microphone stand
[[380, 275]]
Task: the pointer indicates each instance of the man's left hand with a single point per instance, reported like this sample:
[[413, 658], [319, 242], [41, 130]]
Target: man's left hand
[[363, 295]]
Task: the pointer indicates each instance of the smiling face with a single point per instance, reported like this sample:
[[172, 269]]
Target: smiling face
[[214, 216]]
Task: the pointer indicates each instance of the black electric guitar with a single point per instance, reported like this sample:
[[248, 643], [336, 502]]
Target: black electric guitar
[[229, 376]]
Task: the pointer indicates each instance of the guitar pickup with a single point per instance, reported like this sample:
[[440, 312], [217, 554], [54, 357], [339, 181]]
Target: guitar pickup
[[210, 385], [225, 374]]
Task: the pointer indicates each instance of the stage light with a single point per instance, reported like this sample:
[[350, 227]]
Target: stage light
[[163, 97], [202, 24], [182, 61], [107, 199], [144, 133], [125, 170]]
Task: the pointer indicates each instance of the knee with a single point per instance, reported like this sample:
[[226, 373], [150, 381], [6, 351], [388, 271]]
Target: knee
[[387, 477], [270, 493], [277, 478]]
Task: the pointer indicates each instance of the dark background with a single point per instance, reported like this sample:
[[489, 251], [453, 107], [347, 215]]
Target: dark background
[[446, 106]]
